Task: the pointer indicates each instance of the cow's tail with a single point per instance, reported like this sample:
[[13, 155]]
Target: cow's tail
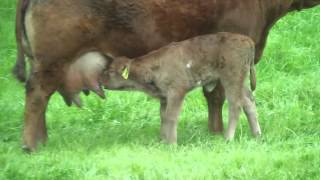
[[253, 82], [19, 69]]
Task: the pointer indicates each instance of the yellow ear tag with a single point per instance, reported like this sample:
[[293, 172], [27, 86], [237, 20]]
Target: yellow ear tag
[[125, 73]]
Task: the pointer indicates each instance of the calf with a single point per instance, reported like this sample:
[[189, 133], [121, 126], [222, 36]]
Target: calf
[[170, 72]]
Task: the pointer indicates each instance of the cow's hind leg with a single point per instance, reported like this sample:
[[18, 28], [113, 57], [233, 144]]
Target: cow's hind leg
[[38, 92], [215, 100], [19, 69]]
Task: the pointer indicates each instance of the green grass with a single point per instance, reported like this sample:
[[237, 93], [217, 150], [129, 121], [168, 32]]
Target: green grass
[[118, 138]]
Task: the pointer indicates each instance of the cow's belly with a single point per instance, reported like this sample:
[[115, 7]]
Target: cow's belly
[[175, 24], [71, 32]]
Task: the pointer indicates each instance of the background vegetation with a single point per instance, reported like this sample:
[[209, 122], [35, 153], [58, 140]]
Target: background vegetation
[[118, 138]]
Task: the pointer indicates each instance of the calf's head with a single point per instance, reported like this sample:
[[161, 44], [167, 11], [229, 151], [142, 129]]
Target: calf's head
[[116, 76]]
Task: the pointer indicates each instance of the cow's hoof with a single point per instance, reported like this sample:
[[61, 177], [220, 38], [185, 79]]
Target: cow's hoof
[[215, 131], [26, 149]]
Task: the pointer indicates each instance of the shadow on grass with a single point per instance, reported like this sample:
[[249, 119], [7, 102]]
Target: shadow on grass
[[106, 134]]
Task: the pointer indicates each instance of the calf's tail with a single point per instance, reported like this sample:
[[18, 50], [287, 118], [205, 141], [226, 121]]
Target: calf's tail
[[19, 69], [253, 82]]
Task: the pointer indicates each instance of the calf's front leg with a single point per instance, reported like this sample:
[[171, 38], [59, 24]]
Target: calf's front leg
[[169, 111], [163, 108]]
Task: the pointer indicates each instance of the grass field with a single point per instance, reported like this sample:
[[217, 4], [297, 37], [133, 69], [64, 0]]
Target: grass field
[[118, 138]]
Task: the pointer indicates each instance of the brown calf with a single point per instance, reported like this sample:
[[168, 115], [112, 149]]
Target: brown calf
[[170, 72]]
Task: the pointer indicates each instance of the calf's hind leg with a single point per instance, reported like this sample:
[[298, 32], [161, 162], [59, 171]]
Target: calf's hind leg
[[38, 92], [249, 108], [234, 96], [234, 111]]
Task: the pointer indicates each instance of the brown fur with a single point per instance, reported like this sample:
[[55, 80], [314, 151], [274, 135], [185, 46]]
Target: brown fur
[[57, 34], [170, 72], [19, 70]]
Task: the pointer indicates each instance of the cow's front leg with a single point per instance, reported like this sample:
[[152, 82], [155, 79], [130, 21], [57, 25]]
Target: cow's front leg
[[170, 110], [215, 100], [38, 92]]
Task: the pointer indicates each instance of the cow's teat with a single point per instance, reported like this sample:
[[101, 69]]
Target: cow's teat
[[83, 75]]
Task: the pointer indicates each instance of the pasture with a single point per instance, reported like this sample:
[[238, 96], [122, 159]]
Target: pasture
[[118, 138]]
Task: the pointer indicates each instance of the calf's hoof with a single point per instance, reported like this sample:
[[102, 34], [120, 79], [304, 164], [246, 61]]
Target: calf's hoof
[[258, 137], [257, 134], [228, 137], [171, 143], [168, 141]]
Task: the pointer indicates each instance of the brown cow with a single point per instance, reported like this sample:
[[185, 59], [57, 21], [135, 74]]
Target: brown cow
[[55, 33], [172, 71]]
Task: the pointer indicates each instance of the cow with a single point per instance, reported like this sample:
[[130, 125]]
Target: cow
[[170, 72], [54, 33]]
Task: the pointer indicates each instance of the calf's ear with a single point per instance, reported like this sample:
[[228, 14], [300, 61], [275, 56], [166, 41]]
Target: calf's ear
[[123, 66]]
